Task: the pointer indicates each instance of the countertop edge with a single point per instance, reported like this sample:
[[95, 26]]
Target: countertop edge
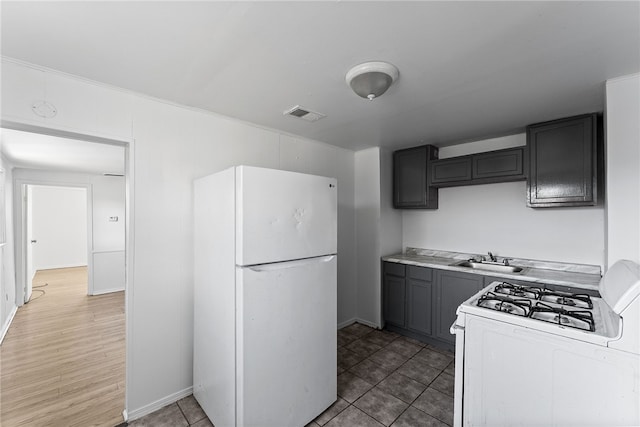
[[529, 274]]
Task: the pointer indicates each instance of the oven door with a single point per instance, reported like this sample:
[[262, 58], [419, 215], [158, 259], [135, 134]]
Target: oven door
[[517, 376]]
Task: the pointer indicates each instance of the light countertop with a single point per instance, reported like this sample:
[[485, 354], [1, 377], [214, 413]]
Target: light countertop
[[554, 273]]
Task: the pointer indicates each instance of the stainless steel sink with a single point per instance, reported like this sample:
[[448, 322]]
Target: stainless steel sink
[[500, 268]]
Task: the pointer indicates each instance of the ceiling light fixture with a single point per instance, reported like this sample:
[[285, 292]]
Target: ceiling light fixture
[[371, 79]]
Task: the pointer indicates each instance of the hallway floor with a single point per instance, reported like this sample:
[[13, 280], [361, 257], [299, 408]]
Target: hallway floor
[[383, 380], [63, 358]]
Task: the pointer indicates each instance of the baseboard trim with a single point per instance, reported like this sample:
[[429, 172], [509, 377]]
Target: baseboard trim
[[7, 323], [108, 291], [367, 323], [160, 403], [125, 416], [354, 320], [347, 323]]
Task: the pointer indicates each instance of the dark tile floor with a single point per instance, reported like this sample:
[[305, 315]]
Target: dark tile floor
[[384, 379], [185, 412]]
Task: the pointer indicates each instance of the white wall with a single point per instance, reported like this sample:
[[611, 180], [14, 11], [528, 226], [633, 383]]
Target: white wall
[[367, 203], [108, 201], [623, 168], [379, 228], [494, 217], [7, 271], [173, 145], [390, 218], [59, 224]]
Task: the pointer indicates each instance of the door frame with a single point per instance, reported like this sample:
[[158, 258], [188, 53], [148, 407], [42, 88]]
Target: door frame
[[22, 246], [129, 244]]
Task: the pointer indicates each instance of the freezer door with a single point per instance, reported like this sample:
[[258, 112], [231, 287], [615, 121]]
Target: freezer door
[[283, 215], [286, 342]]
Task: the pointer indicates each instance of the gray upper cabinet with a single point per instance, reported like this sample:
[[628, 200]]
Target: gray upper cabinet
[[451, 171], [565, 162], [411, 189], [506, 165], [484, 168]]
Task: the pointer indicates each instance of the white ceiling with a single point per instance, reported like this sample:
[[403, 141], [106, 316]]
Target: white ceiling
[[35, 151], [468, 70]]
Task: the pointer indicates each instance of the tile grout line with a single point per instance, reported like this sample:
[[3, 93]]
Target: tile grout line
[[183, 414], [422, 347]]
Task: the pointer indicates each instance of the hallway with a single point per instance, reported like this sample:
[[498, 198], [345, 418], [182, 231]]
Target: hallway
[[62, 361]]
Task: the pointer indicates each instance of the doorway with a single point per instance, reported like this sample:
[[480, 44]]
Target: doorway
[[81, 380], [57, 234]]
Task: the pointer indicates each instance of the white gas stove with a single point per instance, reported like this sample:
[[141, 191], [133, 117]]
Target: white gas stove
[[529, 356]]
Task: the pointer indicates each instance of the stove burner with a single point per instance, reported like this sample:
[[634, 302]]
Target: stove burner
[[519, 307], [563, 298], [518, 291], [579, 319]]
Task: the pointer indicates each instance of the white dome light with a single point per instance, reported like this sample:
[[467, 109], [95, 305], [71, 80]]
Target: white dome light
[[372, 79]]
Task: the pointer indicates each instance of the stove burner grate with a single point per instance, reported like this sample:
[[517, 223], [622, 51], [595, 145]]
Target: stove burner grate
[[563, 298], [520, 307], [518, 291], [579, 319]]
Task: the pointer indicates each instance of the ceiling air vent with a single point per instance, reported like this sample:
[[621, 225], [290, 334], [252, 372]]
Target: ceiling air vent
[[304, 114]]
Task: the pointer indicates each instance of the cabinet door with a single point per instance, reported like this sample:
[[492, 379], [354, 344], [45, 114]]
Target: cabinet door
[[452, 289], [394, 300], [506, 164], [451, 171], [410, 186], [419, 310], [563, 162]]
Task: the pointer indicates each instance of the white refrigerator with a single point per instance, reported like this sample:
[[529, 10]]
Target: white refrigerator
[[265, 296]]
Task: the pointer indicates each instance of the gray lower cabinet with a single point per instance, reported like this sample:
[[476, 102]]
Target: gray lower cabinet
[[394, 294], [452, 289], [421, 302], [408, 301], [419, 305]]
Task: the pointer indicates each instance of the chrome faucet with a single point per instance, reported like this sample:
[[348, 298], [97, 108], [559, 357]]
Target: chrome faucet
[[493, 257]]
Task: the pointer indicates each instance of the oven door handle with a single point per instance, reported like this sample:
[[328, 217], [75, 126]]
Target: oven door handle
[[455, 328]]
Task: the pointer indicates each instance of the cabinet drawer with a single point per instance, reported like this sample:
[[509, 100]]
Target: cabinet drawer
[[451, 170], [419, 273], [498, 163], [394, 269]]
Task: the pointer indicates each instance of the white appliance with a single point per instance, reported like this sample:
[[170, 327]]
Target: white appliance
[[528, 356], [265, 296]]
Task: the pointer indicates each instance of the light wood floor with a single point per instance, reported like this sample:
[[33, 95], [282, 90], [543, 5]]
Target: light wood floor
[[62, 361]]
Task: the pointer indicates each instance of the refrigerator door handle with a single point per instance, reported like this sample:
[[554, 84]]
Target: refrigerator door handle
[[290, 264]]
